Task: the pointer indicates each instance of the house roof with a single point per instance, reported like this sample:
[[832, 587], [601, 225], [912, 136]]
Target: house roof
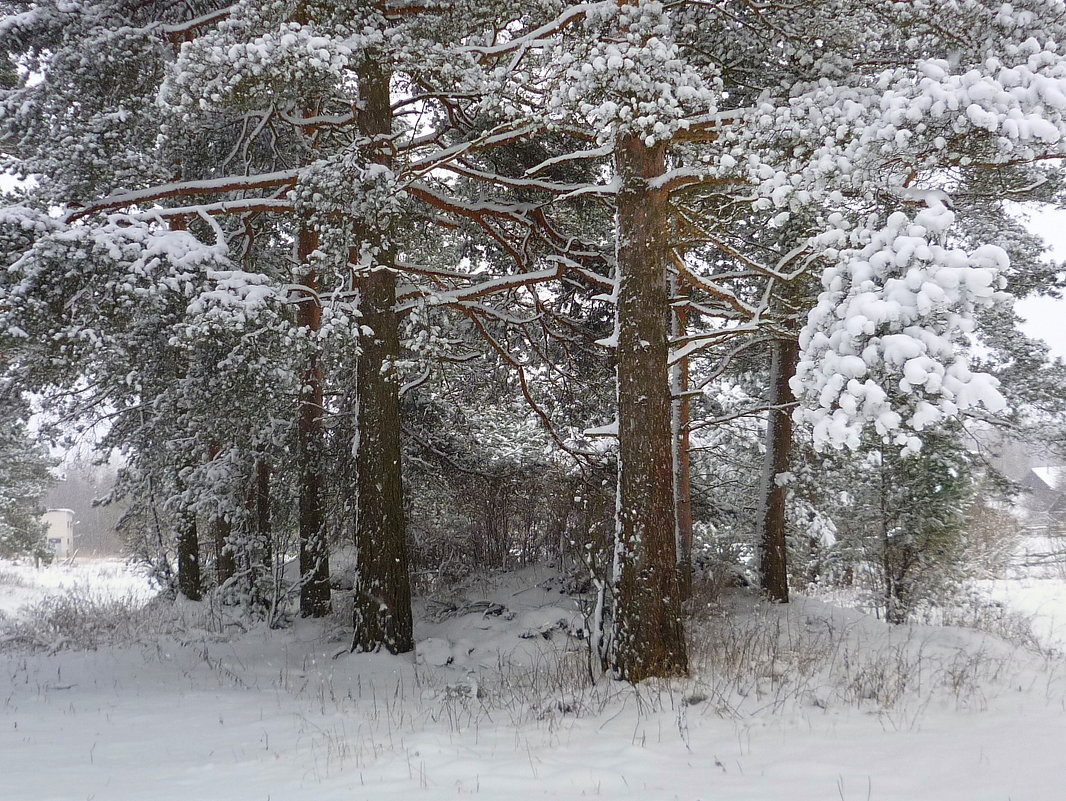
[[1051, 476]]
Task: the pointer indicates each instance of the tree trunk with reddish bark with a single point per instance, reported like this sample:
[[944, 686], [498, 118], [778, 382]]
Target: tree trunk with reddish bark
[[382, 611], [647, 637]]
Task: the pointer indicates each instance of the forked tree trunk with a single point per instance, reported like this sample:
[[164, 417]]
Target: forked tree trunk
[[382, 611], [314, 548], [189, 558], [647, 637], [773, 546]]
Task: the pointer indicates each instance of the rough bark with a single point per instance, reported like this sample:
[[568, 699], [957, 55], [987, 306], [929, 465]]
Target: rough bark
[[383, 591], [314, 548], [647, 636], [773, 547], [189, 559], [382, 611]]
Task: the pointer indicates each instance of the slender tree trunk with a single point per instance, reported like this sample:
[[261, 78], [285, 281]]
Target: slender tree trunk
[[189, 558], [225, 563], [314, 548], [256, 556], [382, 612], [683, 457], [190, 582], [262, 511], [221, 528], [647, 638], [773, 547]]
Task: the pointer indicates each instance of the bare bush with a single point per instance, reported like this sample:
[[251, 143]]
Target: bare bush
[[991, 538], [9, 578], [770, 657], [75, 620], [975, 611]]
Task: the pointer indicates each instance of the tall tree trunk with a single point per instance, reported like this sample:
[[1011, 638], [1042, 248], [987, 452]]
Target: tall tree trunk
[[256, 555], [314, 548], [647, 637], [773, 548], [225, 563], [189, 558], [221, 528], [682, 456], [382, 612], [190, 582], [262, 511]]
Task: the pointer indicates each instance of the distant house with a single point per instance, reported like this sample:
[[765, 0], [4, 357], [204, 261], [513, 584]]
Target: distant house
[[60, 524], [1045, 501]]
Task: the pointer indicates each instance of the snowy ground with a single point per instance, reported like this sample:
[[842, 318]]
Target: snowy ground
[[21, 584], [1042, 599], [1037, 588], [804, 702]]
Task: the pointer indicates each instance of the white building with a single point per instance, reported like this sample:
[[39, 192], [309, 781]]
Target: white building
[[60, 524]]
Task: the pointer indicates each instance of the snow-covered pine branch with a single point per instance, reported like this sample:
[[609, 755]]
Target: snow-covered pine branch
[[886, 344]]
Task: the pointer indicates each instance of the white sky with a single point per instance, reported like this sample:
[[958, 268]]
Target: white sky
[[1046, 317]]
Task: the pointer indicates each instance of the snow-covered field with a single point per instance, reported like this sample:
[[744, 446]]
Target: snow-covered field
[[1038, 588], [21, 584], [805, 702], [1043, 600]]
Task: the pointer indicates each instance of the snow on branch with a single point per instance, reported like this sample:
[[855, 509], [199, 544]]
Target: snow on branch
[[568, 190], [880, 347], [235, 298], [457, 297], [538, 36], [178, 30], [233, 183], [579, 155]]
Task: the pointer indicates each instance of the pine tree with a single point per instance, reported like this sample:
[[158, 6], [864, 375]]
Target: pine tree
[[25, 477]]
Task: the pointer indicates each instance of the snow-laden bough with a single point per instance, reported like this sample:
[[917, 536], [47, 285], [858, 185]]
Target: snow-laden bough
[[885, 344]]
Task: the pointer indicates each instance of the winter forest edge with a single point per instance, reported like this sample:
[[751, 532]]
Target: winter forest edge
[[370, 298]]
